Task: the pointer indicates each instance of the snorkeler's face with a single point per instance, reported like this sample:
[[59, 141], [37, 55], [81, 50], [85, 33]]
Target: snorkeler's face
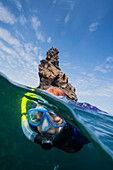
[[49, 128]]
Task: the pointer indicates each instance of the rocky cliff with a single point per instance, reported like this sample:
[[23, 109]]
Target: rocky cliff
[[51, 75]]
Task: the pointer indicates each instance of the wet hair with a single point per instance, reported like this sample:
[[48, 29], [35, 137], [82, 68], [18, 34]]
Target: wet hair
[[56, 91]]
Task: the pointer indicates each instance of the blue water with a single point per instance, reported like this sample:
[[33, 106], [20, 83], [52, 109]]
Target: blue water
[[17, 152]]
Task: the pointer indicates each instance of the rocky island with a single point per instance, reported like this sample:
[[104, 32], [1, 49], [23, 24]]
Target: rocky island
[[51, 75]]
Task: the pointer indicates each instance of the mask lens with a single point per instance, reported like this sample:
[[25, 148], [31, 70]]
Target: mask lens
[[56, 121], [36, 117], [32, 118]]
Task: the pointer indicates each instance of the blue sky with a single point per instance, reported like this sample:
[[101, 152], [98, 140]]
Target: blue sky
[[81, 30]]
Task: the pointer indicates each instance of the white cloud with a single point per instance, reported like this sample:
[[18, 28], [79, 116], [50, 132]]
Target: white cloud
[[93, 26], [6, 16], [6, 36], [23, 68], [40, 36], [49, 39], [2, 56], [70, 6], [108, 67], [66, 64], [110, 59], [99, 92], [67, 6], [18, 4], [18, 60], [28, 47], [7, 50], [35, 49], [35, 23], [22, 19], [104, 68], [19, 35], [101, 68], [93, 87], [40, 57], [69, 66], [67, 18]]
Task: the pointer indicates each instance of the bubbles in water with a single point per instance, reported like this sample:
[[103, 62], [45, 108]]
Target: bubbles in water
[[56, 167]]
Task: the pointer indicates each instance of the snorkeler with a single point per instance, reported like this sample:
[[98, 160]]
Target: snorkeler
[[50, 130]]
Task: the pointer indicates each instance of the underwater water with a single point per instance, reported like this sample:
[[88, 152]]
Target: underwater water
[[17, 152]]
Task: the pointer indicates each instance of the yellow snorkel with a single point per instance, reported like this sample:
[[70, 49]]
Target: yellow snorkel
[[24, 122]]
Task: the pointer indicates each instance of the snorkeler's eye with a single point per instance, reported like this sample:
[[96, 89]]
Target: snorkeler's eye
[[50, 113], [55, 118], [39, 115]]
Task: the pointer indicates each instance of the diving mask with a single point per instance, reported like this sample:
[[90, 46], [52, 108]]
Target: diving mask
[[37, 116]]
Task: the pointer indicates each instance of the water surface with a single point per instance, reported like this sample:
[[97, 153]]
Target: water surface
[[17, 152]]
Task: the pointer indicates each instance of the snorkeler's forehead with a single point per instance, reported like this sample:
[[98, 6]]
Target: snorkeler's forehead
[[42, 109]]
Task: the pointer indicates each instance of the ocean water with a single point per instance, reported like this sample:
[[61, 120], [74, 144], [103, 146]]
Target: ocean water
[[18, 153]]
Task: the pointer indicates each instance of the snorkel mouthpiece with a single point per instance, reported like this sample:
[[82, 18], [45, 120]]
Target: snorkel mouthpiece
[[45, 141], [47, 144]]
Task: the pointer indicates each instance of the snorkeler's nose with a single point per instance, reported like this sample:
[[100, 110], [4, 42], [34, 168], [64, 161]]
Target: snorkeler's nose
[[45, 125]]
